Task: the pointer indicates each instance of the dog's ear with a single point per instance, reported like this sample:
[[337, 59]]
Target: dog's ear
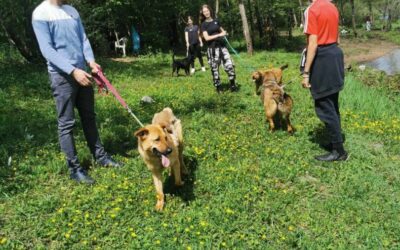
[[142, 133], [166, 127], [256, 75]]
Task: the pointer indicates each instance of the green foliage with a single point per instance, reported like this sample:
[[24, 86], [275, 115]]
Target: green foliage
[[248, 188]]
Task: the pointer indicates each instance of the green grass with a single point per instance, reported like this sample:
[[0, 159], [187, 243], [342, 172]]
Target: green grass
[[248, 188]]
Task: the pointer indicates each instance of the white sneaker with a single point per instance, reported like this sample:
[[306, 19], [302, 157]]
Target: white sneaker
[[192, 71], [203, 69]]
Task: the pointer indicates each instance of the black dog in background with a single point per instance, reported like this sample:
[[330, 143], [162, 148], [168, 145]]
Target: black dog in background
[[178, 64]]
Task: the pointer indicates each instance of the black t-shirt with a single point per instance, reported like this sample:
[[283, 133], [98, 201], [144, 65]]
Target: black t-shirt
[[193, 34], [213, 28]]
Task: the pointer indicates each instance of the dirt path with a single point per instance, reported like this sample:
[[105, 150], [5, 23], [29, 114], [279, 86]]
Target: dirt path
[[357, 51]]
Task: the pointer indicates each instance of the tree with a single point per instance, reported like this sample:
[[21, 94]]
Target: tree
[[246, 30], [353, 17], [15, 22]]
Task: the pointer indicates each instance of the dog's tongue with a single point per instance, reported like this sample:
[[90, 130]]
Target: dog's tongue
[[165, 161]]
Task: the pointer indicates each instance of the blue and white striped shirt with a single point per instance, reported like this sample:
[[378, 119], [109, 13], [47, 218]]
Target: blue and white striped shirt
[[61, 37]]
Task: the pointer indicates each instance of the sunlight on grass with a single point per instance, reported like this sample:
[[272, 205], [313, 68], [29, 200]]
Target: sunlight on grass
[[248, 188]]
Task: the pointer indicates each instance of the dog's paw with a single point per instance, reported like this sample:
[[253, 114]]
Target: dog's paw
[[159, 206]]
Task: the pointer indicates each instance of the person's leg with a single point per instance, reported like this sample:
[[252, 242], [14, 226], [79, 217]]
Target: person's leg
[[64, 91], [327, 111], [229, 67], [192, 57], [85, 105], [200, 57], [213, 61]]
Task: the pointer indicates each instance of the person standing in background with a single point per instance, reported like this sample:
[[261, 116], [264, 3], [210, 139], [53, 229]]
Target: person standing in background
[[194, 44]]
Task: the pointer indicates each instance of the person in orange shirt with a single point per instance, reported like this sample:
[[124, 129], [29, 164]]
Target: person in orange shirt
[[323, 71]]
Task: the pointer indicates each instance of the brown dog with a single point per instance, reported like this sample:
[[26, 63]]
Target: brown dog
[[161, 146], [276, 101]]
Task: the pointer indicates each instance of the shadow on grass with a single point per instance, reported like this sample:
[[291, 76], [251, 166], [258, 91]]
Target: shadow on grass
[[320, 135], [186, 193]]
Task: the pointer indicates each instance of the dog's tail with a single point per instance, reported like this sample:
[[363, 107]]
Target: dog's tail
[[285, 67]]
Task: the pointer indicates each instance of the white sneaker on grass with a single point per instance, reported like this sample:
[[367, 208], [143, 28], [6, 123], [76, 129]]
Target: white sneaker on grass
[[192, 71], [203, 69]]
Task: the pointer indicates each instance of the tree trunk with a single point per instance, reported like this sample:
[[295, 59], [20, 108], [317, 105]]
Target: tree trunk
[[246, 30], [259, 21], [251, 20], [385, 15], [290, 23], [353, 17], [23, 40], [294, 18], [342, 20], [301, 11], [216, 7], [389, 20], [371, 13]]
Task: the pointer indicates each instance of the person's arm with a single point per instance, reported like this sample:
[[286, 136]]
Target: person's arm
[[87, 50], [311, 30], [200, 39], [42, 32], [311, 52], [209, 38], [187, 39]]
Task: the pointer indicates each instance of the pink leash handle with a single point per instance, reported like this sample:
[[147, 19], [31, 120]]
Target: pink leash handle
[[103, 82]]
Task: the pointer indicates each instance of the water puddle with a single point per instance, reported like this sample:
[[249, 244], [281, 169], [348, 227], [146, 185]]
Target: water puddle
[[389, 63]]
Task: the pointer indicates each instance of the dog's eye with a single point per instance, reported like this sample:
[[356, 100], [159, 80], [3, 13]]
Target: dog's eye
[[157, 139], [166, 138]]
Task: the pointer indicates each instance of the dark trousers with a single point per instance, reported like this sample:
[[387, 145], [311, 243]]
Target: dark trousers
[[327, 109], [68, 94], [195, 51]]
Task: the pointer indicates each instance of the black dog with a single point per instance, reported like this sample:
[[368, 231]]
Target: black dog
[[178, 64]]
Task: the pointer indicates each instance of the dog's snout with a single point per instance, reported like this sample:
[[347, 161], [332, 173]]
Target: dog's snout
[[155, 151]]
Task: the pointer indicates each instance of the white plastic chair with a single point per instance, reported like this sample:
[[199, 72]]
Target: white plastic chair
[[121, 44]]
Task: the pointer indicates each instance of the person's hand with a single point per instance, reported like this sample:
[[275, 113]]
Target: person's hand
[[306, 82], [222, 34], [201, 45], [81, 77], [94, 67]]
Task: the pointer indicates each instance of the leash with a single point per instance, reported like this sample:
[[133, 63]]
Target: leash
[[103, 84], [252, 69]]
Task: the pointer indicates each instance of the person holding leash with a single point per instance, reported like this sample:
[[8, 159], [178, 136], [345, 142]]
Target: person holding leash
[[217, 52], [324, 71], [194, 44], [64, 45]]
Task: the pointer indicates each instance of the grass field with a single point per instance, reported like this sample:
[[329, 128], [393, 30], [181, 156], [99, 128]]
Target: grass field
[[248, 188]]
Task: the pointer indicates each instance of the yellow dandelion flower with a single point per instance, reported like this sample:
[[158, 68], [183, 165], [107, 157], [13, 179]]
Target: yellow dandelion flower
[[133, 234], [158, 242], [67, 235], [264, 237], [3, 241], [291, 228]]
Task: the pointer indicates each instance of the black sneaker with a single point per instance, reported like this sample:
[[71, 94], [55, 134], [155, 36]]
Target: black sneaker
[[333, 156], [234, 88], [218, 88], [81, 176], [107, 161]]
